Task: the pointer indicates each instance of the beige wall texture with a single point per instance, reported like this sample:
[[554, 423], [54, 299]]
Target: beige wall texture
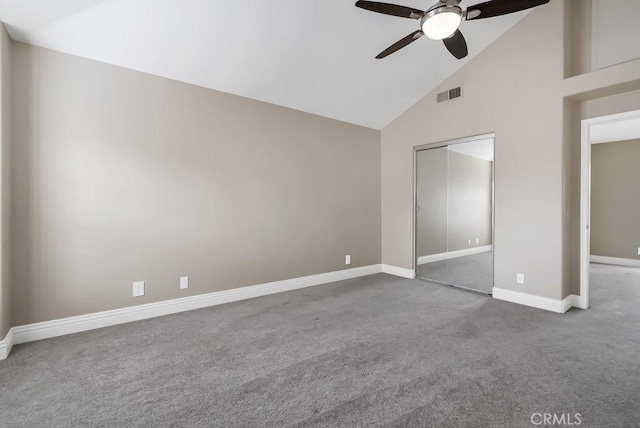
[[615, 199], [454, 200], [121, 176], [5, 188], [617, 30], [512, 89], [578, 37]]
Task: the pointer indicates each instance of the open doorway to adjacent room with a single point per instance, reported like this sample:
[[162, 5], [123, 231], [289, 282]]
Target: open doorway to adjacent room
[[610, 209]]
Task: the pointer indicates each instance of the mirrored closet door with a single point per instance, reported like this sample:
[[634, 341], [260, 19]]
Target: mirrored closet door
[[454, 213]]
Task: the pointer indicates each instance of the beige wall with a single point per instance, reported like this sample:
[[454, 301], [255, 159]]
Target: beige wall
[[5, 189], [578, 37], [615, 34], [615, 199], [616, 31], [121, 176], [512, 89]]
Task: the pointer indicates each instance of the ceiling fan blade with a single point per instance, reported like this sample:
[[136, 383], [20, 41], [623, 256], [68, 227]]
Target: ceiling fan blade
[[390, 9], [400, 44], [457, 45], [492, 8]]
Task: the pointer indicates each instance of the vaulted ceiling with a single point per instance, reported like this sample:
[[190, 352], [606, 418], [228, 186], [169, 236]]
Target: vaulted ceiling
[[313, 56]]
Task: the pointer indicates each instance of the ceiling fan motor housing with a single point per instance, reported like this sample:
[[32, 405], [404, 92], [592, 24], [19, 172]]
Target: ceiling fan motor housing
[[441, 21]]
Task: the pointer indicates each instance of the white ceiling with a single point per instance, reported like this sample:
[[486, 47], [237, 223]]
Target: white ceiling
[[314, 56], [622, 130]]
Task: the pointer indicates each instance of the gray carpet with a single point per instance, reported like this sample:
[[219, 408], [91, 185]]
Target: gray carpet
[[474, 271], [378, 351]]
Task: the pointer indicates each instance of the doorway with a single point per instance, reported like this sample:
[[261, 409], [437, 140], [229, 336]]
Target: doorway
[[607, 145], [454, 213]]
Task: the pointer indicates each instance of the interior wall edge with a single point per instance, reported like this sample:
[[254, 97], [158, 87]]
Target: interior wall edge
[[6, 139]]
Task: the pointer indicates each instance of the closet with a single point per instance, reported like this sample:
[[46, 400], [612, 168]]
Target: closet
[[454, 184]]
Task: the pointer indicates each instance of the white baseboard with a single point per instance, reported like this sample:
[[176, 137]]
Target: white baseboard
[[6, 344], [397, 271], [453, 254], [553, 305], [579, 302], [615, 261], [64, 326], [572, 301]]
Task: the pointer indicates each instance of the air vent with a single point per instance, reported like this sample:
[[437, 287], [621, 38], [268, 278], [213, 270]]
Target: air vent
[[449, 95]]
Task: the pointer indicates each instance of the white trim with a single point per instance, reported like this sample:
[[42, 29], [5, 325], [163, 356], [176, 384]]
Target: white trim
[[571, 301], [580, 302], [585, 211], [394, 270], [553, 305], [585, 195], [6, 344], [453, 254], [60, 327], [615, 261]]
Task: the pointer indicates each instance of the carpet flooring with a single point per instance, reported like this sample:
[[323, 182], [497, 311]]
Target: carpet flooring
[[474, 271], [372, 351]]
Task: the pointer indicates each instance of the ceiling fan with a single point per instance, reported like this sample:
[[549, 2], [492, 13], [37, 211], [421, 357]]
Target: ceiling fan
[[441, 21]]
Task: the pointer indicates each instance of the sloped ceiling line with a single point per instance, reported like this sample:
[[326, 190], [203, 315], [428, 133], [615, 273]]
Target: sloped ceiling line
[[317, 57]]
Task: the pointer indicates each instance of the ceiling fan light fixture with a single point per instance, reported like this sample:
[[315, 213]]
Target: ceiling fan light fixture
[[441, 22]]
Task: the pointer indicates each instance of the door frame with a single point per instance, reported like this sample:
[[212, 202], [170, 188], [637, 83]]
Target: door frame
[[585, 195], [436, 145]]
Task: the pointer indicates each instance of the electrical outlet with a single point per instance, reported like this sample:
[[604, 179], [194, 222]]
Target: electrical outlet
[[639, 251], [347, 260], [138, 289], [469, 242], [184, 282], [477, 241], [520, 278]]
